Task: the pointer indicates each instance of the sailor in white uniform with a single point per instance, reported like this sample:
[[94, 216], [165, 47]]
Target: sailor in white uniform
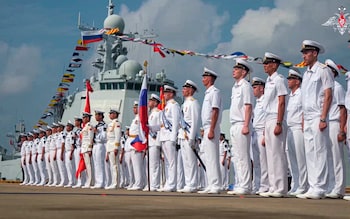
[[99, 150], [295, 147], [211, 119], [47, 156], [36, 171], [275, 127], [154, 123], [347, 106], [114, 133], [87, 140], [223, 148], [60, 145], [125, 180], [240, 131], [29, 155], [189, 127], [54, 156], [80, 180], [317, 86], [69, 154], [23, 144], [41, 156], [337, 122], [170, 117]]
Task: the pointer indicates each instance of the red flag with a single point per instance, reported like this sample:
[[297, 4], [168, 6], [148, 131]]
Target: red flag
[[161, 105], [87, 101], [81, 48], [157, 49], [81, 166]]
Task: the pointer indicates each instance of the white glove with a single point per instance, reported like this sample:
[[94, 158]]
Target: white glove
[[191, 143]]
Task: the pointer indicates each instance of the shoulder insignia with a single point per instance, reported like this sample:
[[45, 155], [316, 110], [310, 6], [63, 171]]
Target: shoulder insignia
[[281, 76], [192, 99], [323, 65], [173, 101]]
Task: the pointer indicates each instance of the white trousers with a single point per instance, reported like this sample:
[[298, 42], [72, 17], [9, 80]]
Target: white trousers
[[190, 166], [336, 165], [129, 168], [255, 157], [154, 166], [123, 173], [98, 156], [295, 149], [36, 173], [241, 157], [316, 143], [211, 153], [41, 168], [61, 166], [224, 172], [202, 176], [348, 135], [70, 167], [276, 158], [48, 167], [113, 171], [54, 168], [25, 171], [30, 169], [89, 173], [138, 169], [170, 156], [180, 181]]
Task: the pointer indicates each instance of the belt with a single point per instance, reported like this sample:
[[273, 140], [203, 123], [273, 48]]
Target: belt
[[132, 136], [162, 126]]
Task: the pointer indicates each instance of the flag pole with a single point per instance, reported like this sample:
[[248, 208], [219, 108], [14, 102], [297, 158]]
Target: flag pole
[[145, 64]]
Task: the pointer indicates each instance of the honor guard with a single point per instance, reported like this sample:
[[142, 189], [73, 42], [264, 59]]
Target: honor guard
[[99, 150], [87, 141], [153, 142], [53, 155], [240, 118], [223, 153], [112, 148], [317, 86], [211, 119], [189, 126], [347, 106], [41, 156], [170, 117], [60, 145], [47, 155], [23, 143], [29, 159], [36, 171], [125, 162], [77, 151], [69, 153]]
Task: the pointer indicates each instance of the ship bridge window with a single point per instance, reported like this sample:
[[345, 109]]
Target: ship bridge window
[[121, 85], [152, 87], [109, 86], [130, 86], [137, 86], [103, 86]]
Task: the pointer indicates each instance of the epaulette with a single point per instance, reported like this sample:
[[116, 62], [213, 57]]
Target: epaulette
[[173, 101], [157, 110], [192, 99], [323, 65], [281, 76]]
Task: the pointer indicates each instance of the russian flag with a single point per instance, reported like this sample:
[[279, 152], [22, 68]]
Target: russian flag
[[91, 36], [140, 142]]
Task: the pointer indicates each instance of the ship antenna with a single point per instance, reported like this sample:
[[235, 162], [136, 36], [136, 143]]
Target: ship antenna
[[110, 8]]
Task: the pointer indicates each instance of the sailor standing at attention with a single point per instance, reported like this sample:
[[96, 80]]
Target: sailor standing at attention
[[347, 127], [87, 141], [77, 151], [240, 131], [53, 155], [29, 155], [23, 144], [47, 156], [211, 119], [170, 117], [114, 133], [187, 136], [60, 145], [154, 143], [41, 156], [69, 153], [275, 127], [317, 90], [36, 141], [99, 150]]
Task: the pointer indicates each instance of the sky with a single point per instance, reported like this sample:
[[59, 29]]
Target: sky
[[38, 37]]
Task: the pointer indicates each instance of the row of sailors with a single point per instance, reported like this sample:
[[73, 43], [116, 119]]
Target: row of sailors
[[313, 156]]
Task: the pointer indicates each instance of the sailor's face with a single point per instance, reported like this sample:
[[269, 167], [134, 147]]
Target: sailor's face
[[309, 56], [168, 95]]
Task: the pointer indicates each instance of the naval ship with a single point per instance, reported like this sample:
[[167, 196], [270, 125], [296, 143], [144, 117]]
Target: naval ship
[[117, 85]]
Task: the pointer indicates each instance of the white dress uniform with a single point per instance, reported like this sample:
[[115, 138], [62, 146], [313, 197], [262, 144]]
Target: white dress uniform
[[242, 95], [87, 136], [47, 161], [223, 149], [212, 99], [77, 143], [53, 159], [99, 154], [202, 176], [347, 106], [41, 160], [336, 163], [136, 157], [69, 157], [260, 176], [23, 163], [129, 170], [275, 145], [315, 81], [187, 138], [114, 133], [34, 161], [60, 161], [170, 117], [295, 144], [154, 149], [29, 166]]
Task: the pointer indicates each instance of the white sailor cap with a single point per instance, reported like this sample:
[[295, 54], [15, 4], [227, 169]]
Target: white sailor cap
[[243, 64], [258, 81], [36, 131], [270, 57], [127, 127], [23, 134], [54, 125], [48, 128], [155, 97], [60, 124], [208, 72], [113, 110], [347, 75], [168, 88], [136, 103], [191, 84], [332, 66], [77, 118], [30, 134], [69, 123], [42, 129], [294, 74], [312, 45], [99, 112], [86, 114]]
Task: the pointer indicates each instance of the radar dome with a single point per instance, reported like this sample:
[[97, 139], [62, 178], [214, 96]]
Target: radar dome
[[130, 68], [114, 21], [120, 60]]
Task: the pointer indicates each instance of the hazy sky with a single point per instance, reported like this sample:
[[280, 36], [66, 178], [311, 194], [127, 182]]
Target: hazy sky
[[38, 37]]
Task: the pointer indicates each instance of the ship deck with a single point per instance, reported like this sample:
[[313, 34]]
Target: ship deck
[[46, 202]]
